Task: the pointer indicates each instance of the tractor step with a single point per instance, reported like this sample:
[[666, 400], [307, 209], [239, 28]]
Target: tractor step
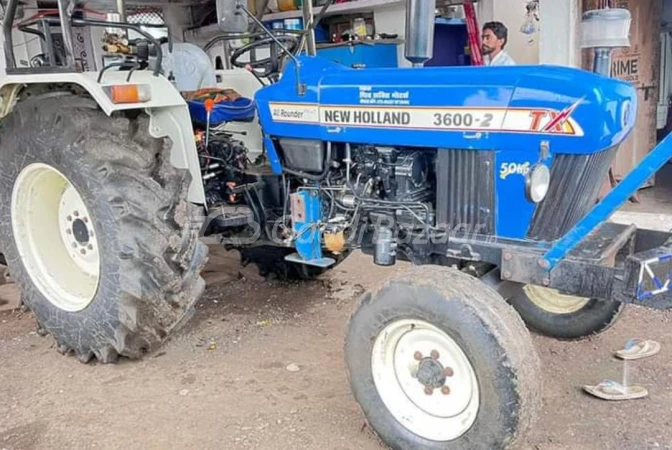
[[321, 262]]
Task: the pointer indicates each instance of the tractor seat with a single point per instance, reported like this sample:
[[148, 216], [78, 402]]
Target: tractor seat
[[194, 76]]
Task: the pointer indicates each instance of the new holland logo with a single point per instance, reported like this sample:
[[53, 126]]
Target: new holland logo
[[455, 119]]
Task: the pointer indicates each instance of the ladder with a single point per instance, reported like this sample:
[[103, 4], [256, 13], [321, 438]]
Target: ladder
[[473, 33]]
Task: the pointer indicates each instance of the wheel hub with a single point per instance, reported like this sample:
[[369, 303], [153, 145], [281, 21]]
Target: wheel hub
[[553, 301], [55, 238], [413, 361], [77, 231], [80, 232], [431, 373]]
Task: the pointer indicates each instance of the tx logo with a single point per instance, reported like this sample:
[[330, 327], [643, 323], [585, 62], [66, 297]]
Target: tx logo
[[547, 121]]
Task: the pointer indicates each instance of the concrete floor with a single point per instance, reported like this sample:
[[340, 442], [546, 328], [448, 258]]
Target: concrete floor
[[656, 199]]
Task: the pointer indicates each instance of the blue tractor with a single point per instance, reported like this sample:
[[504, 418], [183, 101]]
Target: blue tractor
[[485, 179]]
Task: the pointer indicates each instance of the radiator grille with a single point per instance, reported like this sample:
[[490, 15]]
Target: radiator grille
[[465, 190], [575, 184]]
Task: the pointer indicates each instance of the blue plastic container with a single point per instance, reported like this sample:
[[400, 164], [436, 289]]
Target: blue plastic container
[[242, 109]]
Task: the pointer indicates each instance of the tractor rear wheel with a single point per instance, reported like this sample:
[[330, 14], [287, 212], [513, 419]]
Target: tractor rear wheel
[[96, 227], [438, 360], [566, 317]]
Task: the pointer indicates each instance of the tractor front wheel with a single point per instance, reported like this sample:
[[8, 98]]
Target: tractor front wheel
[[566, 317], [96, 228], [438, 360]]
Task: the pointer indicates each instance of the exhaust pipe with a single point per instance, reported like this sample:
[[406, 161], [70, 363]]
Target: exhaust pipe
[[419, 31]]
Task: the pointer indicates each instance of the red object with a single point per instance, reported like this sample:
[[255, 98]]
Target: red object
[[209, 105], [474, 34]]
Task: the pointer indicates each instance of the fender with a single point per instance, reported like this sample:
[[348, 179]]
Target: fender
[[169, 114]]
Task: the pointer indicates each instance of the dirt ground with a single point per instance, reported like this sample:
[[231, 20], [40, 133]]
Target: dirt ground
[[223, 382]]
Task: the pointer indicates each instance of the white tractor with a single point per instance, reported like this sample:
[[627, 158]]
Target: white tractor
[[102, 203]]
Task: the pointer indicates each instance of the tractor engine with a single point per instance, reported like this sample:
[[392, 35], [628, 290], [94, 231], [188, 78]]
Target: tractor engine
[[393, 174]]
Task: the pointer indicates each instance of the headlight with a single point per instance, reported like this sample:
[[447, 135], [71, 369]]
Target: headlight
[[537, 182]]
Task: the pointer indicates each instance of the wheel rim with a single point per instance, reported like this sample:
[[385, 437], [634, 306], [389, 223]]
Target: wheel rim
[[553, 301], [55, 237], [425, 380]]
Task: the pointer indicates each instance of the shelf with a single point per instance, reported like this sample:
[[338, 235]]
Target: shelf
[[353, 43], [445, 21], [352, 7]]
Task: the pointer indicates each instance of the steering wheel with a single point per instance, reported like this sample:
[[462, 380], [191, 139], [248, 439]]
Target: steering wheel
[[270, 66]]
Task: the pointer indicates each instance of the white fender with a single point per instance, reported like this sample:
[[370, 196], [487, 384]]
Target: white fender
[[168, 111]]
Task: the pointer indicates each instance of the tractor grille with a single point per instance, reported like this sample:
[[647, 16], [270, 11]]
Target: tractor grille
[[575, 184], [465, 194]]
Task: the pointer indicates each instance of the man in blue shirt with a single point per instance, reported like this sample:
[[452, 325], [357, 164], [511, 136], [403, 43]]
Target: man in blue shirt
[[495, 37]]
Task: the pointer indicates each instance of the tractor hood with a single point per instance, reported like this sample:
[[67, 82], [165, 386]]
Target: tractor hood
[[484, 108]]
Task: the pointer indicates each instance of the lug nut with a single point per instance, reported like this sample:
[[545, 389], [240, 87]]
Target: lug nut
[[417, 356], [83, 252], [86, 220], [74, 245], [69, 218], [448, 372], [90, 233], [429, 390], [76, 213], [435, 354], [90, 247], [445, 390], [68, 231]]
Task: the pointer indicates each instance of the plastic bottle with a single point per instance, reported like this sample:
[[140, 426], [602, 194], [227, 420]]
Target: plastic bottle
[[359, 27]]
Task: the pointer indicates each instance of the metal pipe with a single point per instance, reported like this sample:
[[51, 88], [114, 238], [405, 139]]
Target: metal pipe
[[65, 9], [309, 29], [49, 43], [271, 35], [602, 62], [316, 21], [419, 46], [121, 9], [651, 164], [300, 87], [7, 24]]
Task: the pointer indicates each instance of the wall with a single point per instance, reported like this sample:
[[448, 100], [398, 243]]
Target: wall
[[640, 65], [511, 12], [560, 35], [392, 20], [524, 49]]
